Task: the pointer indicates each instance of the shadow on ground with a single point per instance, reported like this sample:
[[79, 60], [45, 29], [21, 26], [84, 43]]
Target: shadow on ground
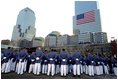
[[13, 75]]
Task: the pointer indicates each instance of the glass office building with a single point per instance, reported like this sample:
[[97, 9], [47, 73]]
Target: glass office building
[[25, 25], [87, 17]]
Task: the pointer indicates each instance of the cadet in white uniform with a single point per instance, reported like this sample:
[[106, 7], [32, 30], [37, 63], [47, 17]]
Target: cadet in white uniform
[[77, 63], [91, 64], [64, 64], [45, 63], [38, 61], [51, 63], [6, 60], [21, 61], [32, 60]]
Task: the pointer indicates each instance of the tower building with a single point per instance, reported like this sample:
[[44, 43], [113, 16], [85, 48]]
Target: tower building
[[25, 25], [87, 17]]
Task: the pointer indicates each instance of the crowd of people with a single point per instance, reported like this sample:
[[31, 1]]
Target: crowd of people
[[53, 62]]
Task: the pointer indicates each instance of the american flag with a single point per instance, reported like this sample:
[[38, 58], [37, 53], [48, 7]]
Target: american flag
[[85, 17]]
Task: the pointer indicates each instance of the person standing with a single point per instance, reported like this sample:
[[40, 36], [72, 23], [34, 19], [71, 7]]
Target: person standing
[[64, 64], [21, 61], [39, 53], [45, 62], [14, 57], [32, 60], [51, 63], [110, 64], [114, 64], [77, 63], [70, 64], [97, 66], [6, 60], [57, 63], [105, 61], [86, 64], [91, 63]]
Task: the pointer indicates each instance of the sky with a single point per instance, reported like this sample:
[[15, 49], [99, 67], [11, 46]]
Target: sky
[[54, 15]]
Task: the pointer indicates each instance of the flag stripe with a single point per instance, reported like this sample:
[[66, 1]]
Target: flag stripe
[[85, 17]]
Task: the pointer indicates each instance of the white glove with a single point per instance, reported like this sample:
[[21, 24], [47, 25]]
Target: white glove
[[63, 59], [51, 59], [45, 60], [32, 60], [91, 61], [77, 59], [98, 62], [20, 59], [37, 58], [4, 57]]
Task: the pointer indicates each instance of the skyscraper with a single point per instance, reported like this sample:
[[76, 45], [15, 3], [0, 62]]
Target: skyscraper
[[87, 17], [25, 25]]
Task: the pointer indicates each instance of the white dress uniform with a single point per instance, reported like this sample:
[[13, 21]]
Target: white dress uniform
[[6, 65], [32, 65], [91, 65], [77, 68], [39, 55], [21, 64], [51, 63], [64, 63], [44, 64]]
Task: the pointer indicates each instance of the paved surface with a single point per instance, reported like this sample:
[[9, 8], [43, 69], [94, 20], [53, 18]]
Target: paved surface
[[13, 75]]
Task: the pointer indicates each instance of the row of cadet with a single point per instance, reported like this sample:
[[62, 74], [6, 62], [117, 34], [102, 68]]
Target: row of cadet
[[53, 62]]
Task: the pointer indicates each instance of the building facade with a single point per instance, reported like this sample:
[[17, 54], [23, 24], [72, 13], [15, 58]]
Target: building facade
[[100, 37], [92, 37], [38, 41], [85, 38], [51, 39], [62, 40], [73, 40], [87, 17], [25, 25]]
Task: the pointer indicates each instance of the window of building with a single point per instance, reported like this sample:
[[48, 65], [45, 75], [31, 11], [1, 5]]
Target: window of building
[[19, 26]]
